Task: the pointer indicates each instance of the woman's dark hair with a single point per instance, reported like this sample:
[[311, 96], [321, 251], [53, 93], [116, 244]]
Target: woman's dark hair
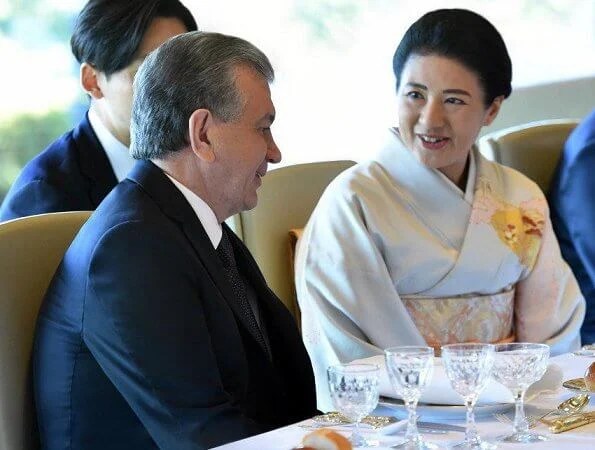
[[107, 33], [463, 36]]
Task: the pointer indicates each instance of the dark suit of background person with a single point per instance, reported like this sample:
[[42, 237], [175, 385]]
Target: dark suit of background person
[[72, 174], [572, 206], [110, 37], [142, 341]]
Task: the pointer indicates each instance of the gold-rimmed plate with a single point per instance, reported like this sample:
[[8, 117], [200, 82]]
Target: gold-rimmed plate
[[334, 418], [576, 384], [586, 350], [442, 412]]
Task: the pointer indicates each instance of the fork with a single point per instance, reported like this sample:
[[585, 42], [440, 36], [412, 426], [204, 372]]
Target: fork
[[503, 418]]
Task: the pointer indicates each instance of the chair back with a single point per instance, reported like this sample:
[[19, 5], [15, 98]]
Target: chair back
[[533, 149], [286, 200], [31, 249]]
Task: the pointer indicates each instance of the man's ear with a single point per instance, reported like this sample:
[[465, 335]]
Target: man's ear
[[199, 124], [89, 82], [493, 110]]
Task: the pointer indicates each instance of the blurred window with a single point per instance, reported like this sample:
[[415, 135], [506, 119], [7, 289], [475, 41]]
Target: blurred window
[[334, 88]]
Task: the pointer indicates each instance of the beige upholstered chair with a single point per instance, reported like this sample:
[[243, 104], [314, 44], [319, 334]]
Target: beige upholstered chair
[[30, 250], [285, 201], [533, 149]]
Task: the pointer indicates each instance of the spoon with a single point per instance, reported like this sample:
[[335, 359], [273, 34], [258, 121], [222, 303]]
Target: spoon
[[570, 406]]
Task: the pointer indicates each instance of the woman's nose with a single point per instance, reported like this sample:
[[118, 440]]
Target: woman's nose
[[432, 115]]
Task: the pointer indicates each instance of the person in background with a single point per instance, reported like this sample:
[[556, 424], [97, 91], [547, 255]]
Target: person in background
[[158, 329], [571, 197], [110, 40], [429, 243]]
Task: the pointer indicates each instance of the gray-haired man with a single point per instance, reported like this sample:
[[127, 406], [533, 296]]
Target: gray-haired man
[[159, 329]]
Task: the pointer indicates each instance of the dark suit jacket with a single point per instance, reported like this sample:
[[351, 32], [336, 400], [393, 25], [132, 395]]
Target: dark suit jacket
[[572, 207], [140, 343], [72, 174]]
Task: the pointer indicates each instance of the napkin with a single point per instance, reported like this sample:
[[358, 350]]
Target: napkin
[[440, 392]]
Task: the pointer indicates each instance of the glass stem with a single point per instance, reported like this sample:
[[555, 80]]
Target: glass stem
[[471, 436], [356, 438], [412, 435], [520, 425]]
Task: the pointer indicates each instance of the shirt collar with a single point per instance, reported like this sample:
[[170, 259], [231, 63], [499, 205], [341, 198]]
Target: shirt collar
[[203, 211], [117, 153]]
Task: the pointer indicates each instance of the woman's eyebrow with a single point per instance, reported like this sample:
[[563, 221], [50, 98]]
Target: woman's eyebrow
[[457, 91]]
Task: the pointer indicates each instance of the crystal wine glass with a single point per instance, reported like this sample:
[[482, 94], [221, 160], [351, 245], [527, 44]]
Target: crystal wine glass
[[468, 367], [410, 370], [354, 390], [517, 366]]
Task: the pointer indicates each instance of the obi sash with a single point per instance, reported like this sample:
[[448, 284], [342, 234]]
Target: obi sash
[[464, 318]]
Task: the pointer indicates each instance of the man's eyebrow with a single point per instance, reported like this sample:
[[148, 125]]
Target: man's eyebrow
[[417, 85]]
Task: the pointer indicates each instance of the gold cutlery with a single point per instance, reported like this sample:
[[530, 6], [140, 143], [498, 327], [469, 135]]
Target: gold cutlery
[[571, 422], [568, 407], [576, 384]]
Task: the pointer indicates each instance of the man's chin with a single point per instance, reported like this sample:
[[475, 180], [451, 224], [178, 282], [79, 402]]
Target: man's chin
[[251, 202]]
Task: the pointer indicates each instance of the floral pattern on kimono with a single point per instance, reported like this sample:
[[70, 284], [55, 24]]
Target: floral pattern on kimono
[[520, 227]]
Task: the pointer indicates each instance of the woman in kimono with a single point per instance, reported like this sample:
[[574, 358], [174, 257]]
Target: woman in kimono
[[429, 243]]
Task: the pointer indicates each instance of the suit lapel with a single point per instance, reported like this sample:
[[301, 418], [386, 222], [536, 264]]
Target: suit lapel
[[174, 205], [93, 161]]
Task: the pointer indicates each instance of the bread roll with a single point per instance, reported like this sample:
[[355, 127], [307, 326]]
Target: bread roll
[[590, 378], [326, 439]]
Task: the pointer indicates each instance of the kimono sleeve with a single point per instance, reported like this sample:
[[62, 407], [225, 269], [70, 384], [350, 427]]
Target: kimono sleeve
[[549, 306], [350, 307]]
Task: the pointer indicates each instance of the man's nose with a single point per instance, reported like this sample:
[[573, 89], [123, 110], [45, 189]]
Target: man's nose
[[273, 152]]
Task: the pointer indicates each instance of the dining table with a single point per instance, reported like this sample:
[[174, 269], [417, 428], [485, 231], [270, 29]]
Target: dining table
[[489, 426]]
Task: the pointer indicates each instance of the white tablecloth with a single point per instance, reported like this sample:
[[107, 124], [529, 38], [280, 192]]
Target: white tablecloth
[[578, 439]]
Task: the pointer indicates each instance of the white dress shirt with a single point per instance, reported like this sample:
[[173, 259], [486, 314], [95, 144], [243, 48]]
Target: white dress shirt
[[203, 211], [214, 230], [117, 153]]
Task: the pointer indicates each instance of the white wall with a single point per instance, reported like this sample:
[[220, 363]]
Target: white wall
[[569, 99]]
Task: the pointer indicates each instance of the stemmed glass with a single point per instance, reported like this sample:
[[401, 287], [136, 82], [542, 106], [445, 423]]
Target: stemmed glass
[[468, 367], [354, 390], [410, 369], [517, 366]]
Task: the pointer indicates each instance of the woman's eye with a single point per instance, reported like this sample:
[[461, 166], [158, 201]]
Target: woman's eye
[[455, 101]]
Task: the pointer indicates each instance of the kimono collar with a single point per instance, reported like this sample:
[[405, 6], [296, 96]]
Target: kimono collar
[[423, 181], [445, 208]]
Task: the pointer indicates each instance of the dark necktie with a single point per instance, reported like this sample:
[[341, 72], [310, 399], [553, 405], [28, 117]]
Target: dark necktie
[[225, 252]]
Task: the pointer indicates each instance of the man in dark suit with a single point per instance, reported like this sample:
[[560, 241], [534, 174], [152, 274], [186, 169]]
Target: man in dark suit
[[77, 171], [573, 213], [158, 329]]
